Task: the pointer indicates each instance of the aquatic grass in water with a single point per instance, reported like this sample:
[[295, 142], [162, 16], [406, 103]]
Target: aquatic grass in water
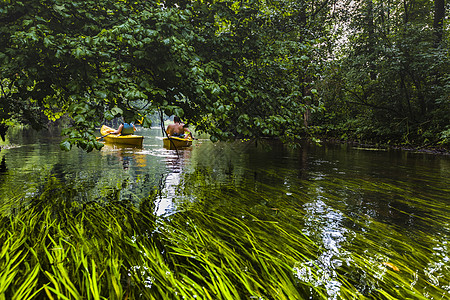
[[376, 237], [238, 232], [116, 251]]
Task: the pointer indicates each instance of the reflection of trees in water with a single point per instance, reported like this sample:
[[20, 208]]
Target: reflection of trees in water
[[363, 207], [3, 167], [80, 178], [220, 161], [127, 155], [65, 198], [362, 212], [242, 178]]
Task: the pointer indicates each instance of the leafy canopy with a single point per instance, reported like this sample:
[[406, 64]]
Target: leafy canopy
[[232, 69]]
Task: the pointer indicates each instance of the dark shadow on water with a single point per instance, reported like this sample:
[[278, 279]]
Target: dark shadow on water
[[3, 167]]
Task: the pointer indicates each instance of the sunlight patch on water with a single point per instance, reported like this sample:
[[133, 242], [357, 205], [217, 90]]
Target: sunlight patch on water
[[323, 223], [9, 146]]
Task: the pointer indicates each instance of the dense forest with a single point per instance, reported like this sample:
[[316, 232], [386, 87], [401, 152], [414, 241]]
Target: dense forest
[[367, 70]]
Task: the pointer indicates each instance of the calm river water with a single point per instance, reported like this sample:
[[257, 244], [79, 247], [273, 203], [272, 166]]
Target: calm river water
[[390, 209]]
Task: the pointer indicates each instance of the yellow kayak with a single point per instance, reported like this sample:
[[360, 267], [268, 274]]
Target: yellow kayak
[[132, 139], [176, 142]]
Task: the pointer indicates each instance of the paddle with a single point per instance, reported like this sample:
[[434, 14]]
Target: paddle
[[100, 137]]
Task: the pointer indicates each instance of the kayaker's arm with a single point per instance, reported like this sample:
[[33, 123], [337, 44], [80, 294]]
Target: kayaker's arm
[[119, 130], [169, 130], [189, 134]]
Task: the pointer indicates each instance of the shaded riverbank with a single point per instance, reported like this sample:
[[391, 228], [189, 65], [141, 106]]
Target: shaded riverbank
[[436, 150]]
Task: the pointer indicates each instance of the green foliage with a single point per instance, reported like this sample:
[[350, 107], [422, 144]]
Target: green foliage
[[391, 85], [445, 137], [232, 69], [210, 62]]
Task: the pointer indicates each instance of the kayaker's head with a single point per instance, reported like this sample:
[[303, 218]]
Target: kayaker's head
[[127, 117], [177, 119]]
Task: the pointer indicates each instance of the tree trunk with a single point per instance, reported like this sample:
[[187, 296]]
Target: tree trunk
[[438, 22]]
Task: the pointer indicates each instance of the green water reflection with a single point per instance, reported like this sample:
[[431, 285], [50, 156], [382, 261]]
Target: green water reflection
[[386, 209], [378, 221]]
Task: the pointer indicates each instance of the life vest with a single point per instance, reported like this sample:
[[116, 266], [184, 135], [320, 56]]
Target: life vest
[[127, 129]]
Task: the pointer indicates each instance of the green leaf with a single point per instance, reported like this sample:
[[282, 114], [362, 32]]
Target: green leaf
[[101, 94], [65, 145], [108, 115], [146, 122], [116, 111], [79, 119]]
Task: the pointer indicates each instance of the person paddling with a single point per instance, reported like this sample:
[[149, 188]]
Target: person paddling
[[178, 129], [125, 129]]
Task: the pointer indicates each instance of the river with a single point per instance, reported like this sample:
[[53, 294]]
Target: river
[[359, 206]]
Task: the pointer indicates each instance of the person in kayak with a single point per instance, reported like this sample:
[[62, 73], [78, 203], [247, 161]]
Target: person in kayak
[[178, 129], [125, 129]]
